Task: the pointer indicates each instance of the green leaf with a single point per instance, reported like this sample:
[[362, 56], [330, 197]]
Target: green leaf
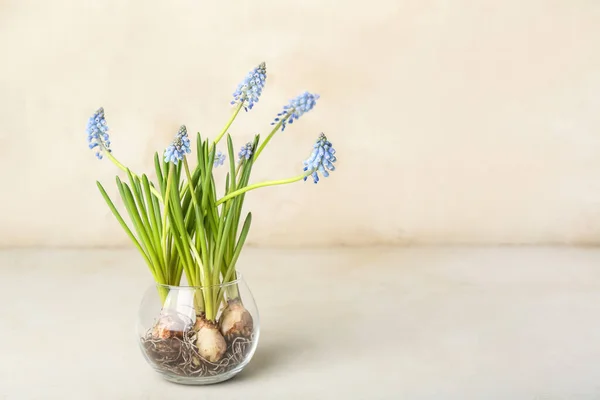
[[231, 164], [242, 239], [139, 199], [207, 176], [132, 210], [180, 231], [159, 175], [238, 249], [238, 201], [124, 226], [221, 241], [157, 214], [155, 223]]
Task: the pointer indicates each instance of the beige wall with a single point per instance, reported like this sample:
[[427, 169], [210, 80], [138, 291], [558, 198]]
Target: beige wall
[[455, 121]]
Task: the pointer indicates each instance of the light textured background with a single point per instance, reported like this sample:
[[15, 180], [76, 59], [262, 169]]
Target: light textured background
[[455, 121]]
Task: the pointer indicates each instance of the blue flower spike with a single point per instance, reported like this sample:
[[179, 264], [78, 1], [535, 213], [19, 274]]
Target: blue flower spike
[[97, 135], [219, 159], [296, 108], [179, 148], [250, 89], [321, 160], [245, 151]]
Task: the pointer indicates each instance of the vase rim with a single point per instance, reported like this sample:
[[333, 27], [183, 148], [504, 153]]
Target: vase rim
[[184, 287]]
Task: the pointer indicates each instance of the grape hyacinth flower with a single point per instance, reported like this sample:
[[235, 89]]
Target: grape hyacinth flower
[[97, 135], [296, 108], [245, 152], [180, 146], [321, 160], [219, 159], [250, 89]]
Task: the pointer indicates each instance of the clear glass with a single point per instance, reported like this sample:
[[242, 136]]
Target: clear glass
[[182, 346]]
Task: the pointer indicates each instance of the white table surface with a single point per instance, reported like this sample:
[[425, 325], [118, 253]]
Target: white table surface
[[381, 323]]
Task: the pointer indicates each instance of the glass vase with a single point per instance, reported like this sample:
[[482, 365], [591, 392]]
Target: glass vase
[[184, 346]]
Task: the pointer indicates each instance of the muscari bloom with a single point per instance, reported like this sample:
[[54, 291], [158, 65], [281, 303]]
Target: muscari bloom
[[219, 159], [321, 160], [97, 135], [180, 146], [245, 151], [296, 108], [250, 89]]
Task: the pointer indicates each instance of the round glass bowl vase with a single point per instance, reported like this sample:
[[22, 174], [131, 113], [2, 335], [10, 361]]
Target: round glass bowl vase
[[184, 346]]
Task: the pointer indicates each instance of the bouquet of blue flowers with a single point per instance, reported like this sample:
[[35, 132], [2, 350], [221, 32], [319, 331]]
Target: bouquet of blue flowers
[[181, 226]]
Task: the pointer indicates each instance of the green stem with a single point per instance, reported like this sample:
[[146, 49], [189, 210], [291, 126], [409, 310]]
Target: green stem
[[208, 160], [262, 184], [273, 132], [125, 169], [237, 111]]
